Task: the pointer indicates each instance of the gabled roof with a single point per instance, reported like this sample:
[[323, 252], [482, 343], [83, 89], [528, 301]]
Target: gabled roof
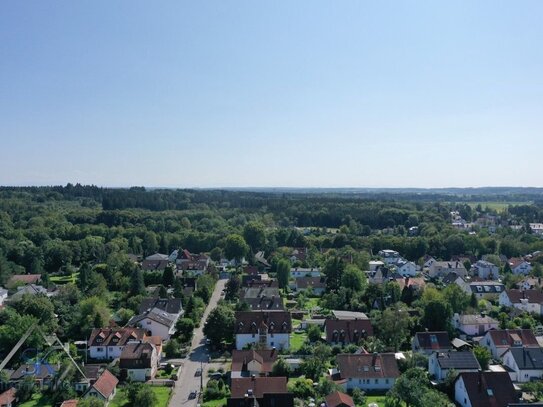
[[265, 303], [257, 292], [310, 282], [476, 319], [457, 360], [8, 397], [533, 296], [528, 358], [347, 331], [516, 261], [115, 336], [25, 278], [508, 337], [433, 340], [488, 389], [171, 305], [348, 315], [157, 256], [338, 398], [265, 357], [258, 386], [368, 365], [42, 371], [69, 403], [252, 321], [106, 383], [161, 317]]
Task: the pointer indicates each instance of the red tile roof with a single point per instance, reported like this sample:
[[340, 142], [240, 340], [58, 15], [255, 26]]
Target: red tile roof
[[266, 358], [376, 365], [8, 397], [488, 389], [25, 278], [533, 296], [259, 386], [347, 331], [106, 383], [274, 321], [115, 336], [507, 337], [69, 403], [337, 399], [433, 340]]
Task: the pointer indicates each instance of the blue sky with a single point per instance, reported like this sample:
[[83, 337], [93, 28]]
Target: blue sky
[[250, 93]]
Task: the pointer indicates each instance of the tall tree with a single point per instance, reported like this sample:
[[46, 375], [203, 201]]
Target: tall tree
[[255, 235], [283, 272], [235, 247], [168, 276], [219, 326], [137, 284]]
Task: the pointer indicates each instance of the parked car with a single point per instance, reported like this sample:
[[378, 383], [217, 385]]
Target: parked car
[[193, 394], [198, 372]]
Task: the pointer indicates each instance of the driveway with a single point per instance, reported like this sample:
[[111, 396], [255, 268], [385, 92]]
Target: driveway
[[197, 358]]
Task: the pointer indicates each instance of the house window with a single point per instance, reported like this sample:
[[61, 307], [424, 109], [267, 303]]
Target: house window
[[271, 343], [386, 381], [253, 335], [376, 381], [148, 322]]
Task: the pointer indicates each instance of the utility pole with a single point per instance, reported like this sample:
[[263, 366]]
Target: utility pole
[[201, 376]]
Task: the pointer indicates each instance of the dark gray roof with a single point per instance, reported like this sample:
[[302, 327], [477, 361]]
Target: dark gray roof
[[457, 360], [528, 358], [171, 306]]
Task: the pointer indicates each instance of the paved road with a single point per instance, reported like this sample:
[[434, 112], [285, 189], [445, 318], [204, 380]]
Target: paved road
[[195, 359]]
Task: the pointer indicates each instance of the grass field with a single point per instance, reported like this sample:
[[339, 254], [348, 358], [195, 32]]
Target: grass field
[[162, 393], [497, 206], [215, 403], [37, 401], [297, 340], [311, 303], [65, 279], [379, 400]]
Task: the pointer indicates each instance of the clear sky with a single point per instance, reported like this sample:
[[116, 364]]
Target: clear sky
[[271, 93]]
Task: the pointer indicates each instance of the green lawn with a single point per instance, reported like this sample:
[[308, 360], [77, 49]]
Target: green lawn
[[311, 303], [380, 400], [215, 403], [37, 401], [162, 393], [497, 206], [297, 340], [65, 279]]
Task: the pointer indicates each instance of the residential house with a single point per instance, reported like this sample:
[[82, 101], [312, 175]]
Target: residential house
[[383, 275], [262, 298], [525, 300], [260, 391], [315, 285], [3, 295], [155, 262], [429, 342], [104, 388], [338, 399], [414, 283], [530, 283], [298, 254], [30, 289], [375, 264], [347, 331], [441, 363], [486, 270], [519, 266], [139, 361], [43, 374], [108, 343], [442, 268], [246, 363], [484, 389], [348, 315], [368, 372], [8, 398], [260, 259], [536, 228], [406, 268], [488, 290], [158, 316], [499, 341], [389, 256], [70, 403], [267, 329], [524, 364], [474, 324], [428, 261], [22, 279], [299, 272]]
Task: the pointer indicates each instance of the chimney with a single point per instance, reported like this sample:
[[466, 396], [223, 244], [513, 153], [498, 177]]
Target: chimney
[[253, 378], [374, 358], [273, 351]]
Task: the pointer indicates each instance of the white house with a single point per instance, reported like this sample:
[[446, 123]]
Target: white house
[[520, 266], [474, 325], [406, 268], [375, 264], [486, 270], [108, 343], [268, 329], [499, 341], [368, 372], [158, 316], [537, 228], [525, 364], [428, 261], [441, 363], [475, 389], [389, 256], [139, 361], [525, 300], [104, 388], [488, 290]]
